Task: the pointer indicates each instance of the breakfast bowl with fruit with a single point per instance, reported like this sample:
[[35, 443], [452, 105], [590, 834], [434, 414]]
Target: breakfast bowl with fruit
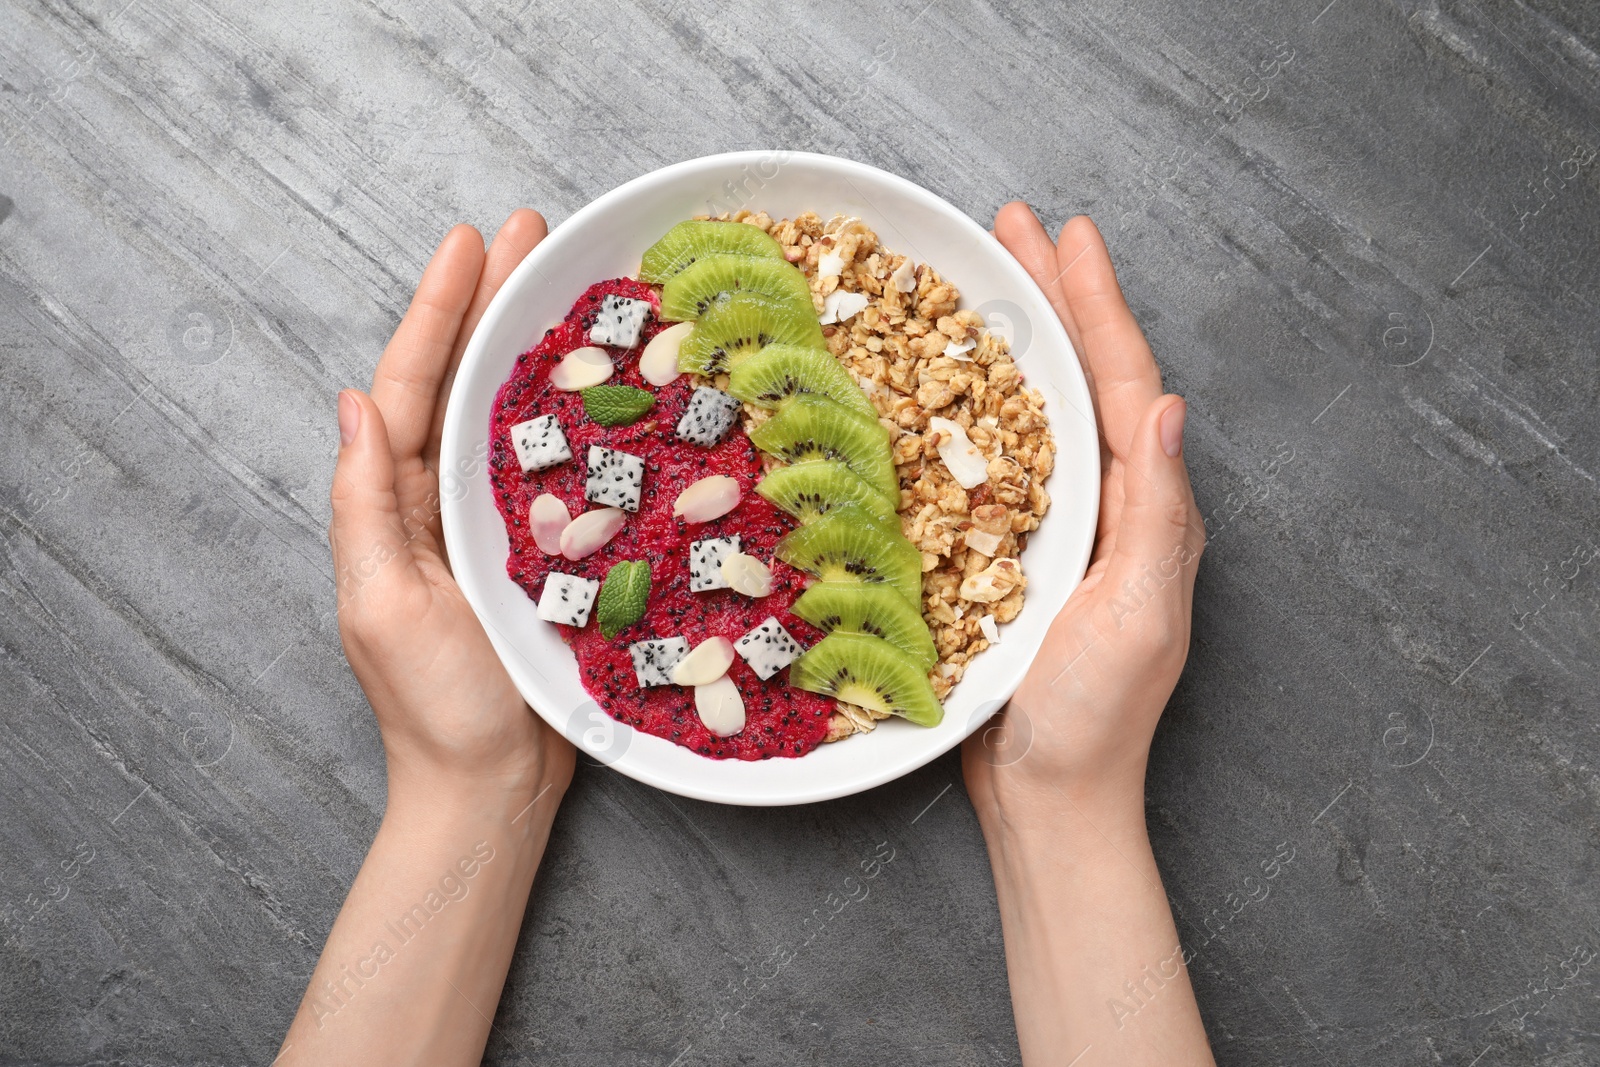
[[770, 500]]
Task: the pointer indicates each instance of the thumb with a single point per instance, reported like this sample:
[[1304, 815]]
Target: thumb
[[366, 532], [1159, 533]]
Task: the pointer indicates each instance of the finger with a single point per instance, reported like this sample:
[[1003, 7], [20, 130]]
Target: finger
[[366, 532], [520, 234], [1159, 535], [1019, 230], [1126, 378], [406, 384]]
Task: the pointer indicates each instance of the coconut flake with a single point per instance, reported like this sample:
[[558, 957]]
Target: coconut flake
[[904, 277], [547, 518], [830, 265], [582, 368], [990, 629], [966, 464], [958, 350], [658, 363], [839, 305]]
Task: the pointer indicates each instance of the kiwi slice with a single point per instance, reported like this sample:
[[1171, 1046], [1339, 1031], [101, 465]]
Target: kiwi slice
[[868, 671], [809, 489], [688, 242], [778, 371], [745, 322], [875, 610], [847, 545], [695, 288], [813, 427]]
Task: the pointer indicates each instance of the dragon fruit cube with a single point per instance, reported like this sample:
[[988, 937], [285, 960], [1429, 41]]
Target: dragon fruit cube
[[653, 660], [709, 417], [567, 598], [768, 648], [619, 322], [615, 479], [540, 444], [705, 562]]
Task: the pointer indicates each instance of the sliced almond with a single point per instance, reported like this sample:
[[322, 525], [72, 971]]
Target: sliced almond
[[708, 661], [658, 363], [582, 368], [547, 518], [588, 533], [747, 575], [720, 706], [709, 498]]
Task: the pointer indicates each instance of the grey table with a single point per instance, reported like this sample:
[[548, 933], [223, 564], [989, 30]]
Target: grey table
[[1362, 237]]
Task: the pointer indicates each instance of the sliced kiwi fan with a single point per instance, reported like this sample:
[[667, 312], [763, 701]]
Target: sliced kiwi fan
[[755, 320]]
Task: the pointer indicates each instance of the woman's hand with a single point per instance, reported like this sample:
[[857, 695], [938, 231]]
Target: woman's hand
[[1097, 971], [1082, 721], [445, 705], [415, 962]]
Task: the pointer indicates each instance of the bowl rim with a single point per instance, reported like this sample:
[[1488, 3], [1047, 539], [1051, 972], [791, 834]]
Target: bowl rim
[[1077, 555]]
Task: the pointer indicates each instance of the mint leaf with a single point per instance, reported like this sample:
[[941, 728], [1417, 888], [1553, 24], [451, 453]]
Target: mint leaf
[[616, 405], [623, 596]]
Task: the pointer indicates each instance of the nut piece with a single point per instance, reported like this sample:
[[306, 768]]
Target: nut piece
[[747, 575], [658, 363], [720, 706], [993, 582], [588, 533], [709, 661], [582, 368], [709, 498], [548, 518]]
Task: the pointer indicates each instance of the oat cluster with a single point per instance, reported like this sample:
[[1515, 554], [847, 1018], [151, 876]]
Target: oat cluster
[[971, 540]]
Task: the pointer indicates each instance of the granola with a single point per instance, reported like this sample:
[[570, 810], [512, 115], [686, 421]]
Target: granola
[[919, 358]]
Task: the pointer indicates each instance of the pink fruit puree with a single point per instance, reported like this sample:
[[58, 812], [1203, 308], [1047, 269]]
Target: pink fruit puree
[[779, 720]]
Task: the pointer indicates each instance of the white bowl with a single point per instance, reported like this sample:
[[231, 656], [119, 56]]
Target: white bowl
[[606, 240]]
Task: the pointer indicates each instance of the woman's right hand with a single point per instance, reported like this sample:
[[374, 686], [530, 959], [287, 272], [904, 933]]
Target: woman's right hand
[[1083, 718]]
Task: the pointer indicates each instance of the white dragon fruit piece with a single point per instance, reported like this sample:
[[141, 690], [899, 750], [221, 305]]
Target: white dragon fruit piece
[[709, 417], [615, 479], [653, 660], [705, 562], [540, 444], [769, 648], [619, 322], [567, 598]]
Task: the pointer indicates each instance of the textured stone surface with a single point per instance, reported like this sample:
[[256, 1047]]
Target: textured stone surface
[[1362, 238]]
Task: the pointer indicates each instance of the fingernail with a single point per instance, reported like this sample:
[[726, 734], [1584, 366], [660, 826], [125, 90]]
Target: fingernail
[[1172, 428], [349, 417]]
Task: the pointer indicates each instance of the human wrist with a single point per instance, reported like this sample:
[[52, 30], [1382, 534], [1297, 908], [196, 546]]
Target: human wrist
[[1017, 808], [423, 794]]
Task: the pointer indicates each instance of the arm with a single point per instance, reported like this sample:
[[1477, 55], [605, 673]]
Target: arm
[[414, 965], [1097, 973]]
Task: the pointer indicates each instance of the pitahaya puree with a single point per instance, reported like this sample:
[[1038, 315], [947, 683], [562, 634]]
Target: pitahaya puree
[[779, 720]]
